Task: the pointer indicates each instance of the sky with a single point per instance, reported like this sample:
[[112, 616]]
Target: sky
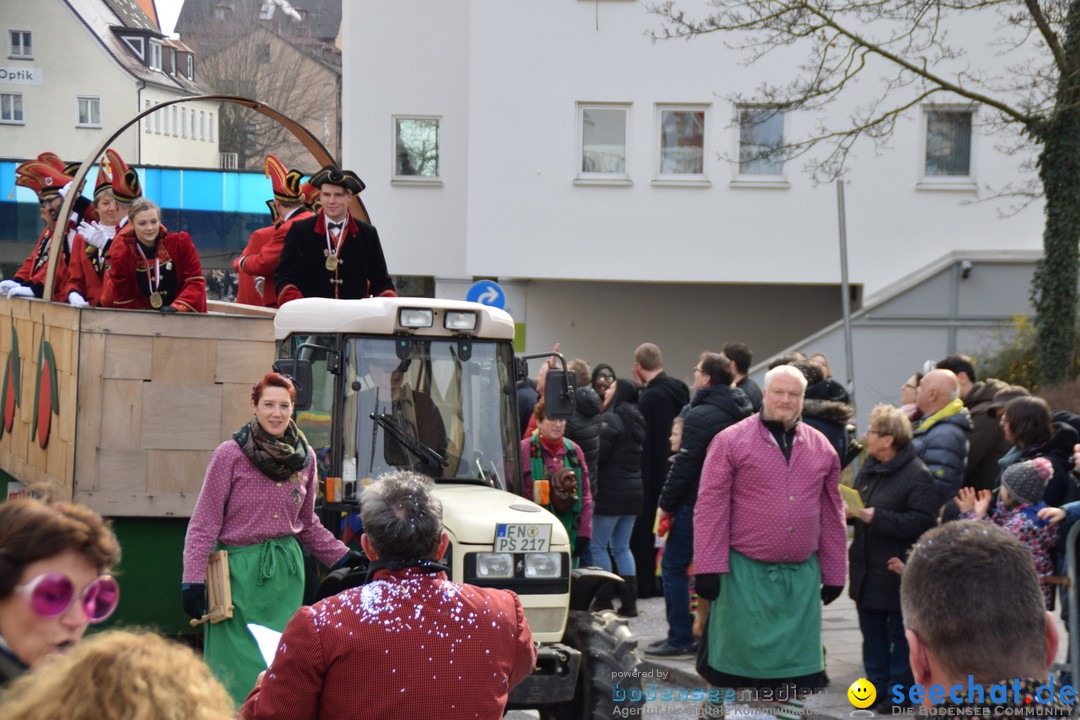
[[168, 10]]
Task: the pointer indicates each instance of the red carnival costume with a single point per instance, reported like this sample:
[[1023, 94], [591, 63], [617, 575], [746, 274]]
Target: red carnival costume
[[172, 271]]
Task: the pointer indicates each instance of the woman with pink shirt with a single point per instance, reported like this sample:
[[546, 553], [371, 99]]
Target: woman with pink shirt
[[258, 502]]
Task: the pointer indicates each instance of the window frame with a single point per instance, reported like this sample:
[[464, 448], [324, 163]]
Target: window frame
[[23, 55], [698, 179], [91, 101], [398, 179], [21, 120], [584, 177], [757, 180], [190, 62], [962, 183], [153, 58]]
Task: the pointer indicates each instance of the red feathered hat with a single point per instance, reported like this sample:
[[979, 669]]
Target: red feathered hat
[[104, 177], [41, 177], [125, 183], [286, 183]]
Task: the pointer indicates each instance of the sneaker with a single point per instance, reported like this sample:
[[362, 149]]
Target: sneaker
[[664, 650], [655, 644]]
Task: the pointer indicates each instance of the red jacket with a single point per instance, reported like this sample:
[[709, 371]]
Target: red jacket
[[245, 277], [264, 260], [36, 265], [86, 271], [182, 283], [407, 645]]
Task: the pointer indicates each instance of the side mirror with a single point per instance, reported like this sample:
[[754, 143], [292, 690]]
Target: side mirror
[[299, 371], [558, 395]]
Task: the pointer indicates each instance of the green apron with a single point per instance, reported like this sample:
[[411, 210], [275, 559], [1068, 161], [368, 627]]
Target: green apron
[[767, 621], [267, 584]]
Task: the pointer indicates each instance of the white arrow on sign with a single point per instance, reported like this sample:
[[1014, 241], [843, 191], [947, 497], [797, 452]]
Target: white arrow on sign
[[488, 297]]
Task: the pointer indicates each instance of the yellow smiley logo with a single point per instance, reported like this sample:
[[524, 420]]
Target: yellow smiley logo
[[862, 693]]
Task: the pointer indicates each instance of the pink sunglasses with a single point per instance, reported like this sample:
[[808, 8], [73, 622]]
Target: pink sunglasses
[[52, 593]]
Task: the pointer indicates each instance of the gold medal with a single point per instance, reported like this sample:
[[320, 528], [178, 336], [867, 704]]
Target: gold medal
[[331, 262], [155, 300]]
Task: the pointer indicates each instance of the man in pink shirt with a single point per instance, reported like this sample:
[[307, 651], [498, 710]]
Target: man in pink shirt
[[769, 547]]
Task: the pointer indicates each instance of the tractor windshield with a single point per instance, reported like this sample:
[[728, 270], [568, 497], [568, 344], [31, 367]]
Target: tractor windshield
[[438, 406]]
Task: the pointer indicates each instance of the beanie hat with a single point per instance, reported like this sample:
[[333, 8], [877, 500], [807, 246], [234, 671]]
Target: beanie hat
[[1026, 481]]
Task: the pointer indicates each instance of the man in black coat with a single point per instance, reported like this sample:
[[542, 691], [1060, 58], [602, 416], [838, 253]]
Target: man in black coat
[[900, 504], [662, 399], [583, 427], [715, 406], [332, 254]]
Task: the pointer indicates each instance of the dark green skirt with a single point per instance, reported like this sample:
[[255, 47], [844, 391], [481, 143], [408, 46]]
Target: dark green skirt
[[267, 583], [767, 621]]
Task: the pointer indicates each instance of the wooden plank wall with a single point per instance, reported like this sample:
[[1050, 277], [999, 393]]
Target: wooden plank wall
[[144, 400]]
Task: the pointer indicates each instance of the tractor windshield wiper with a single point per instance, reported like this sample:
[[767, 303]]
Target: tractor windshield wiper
[[412, 444]]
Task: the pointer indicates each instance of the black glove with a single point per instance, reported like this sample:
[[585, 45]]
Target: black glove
[[194, 599], [169, 309], [830, 593], [581, 545], [351, 559], [707, 586]]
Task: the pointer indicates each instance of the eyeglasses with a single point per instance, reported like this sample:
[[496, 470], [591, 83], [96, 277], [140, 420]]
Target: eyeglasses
[[877, 432], [697, 369], [51, 595], [909, 386]]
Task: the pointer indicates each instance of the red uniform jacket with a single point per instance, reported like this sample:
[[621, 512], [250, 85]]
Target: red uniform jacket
[[86, 270], [406, 645], [245, 277], [36, 265], [182, 283], [265, 260]]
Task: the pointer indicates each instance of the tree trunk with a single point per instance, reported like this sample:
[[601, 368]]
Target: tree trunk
[[1055, 285]]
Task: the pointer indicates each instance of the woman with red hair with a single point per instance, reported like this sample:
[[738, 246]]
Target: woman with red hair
[[258, 503]]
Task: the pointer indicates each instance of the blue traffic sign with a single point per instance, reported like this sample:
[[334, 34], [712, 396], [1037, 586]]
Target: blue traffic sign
[[487, 292]]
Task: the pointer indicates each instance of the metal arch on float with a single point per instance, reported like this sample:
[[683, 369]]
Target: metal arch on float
[[309, 141]]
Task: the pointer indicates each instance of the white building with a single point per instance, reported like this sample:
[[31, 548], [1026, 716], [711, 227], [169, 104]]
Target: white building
[[555, 147], [74, 71]]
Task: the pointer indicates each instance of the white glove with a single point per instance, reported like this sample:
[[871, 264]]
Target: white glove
[[93, 233], [6, 285], [77, 300], [20, 291], [64, 190], [260, 283]]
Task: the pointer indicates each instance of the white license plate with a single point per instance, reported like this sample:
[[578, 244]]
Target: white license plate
[[520, 538]]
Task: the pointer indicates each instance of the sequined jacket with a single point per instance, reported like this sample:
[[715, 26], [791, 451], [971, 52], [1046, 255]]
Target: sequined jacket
[[406, 645]]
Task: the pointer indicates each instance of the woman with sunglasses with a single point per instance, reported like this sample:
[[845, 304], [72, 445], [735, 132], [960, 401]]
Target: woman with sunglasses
[[54, 561], [257, 502]]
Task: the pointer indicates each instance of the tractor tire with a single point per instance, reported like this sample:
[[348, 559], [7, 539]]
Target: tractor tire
[[610, 675]]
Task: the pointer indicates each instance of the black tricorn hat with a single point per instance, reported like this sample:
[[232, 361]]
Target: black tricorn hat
[[336, 176]]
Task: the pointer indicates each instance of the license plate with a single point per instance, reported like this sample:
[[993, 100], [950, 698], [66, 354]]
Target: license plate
[[519, 538]]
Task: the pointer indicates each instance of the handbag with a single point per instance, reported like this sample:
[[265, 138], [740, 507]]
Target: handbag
[[563, 490]]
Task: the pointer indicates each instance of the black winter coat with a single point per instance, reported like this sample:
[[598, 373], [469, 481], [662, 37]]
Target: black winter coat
[[830, 418], [622, 435], [583, 427], [713, 408], [660, 401], [904, 499]]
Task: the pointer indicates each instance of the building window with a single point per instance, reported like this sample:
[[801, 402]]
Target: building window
[[157, 120], [183, 123], [682, 142], [416, 149], [202, 124], [89, 111], [175, 122], [948, 143], [601, 143], [210, 127], [192, 124], [11, 107], [173, 67], [190, 66], [137, 45], [761, 136], [154, 63], [22, 44]]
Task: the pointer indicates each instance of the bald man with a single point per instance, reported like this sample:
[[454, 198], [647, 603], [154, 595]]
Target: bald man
[[941, 438]]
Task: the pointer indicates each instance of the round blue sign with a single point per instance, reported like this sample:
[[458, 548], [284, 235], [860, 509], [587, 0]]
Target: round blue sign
[[487, 292]]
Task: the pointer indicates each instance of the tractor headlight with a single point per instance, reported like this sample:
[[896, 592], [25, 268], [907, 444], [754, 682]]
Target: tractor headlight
[[460, 320], [491, 565], [415, 317], [543, 565]]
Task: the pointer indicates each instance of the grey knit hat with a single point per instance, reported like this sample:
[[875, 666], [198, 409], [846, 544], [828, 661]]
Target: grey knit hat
[[1026, 481]]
